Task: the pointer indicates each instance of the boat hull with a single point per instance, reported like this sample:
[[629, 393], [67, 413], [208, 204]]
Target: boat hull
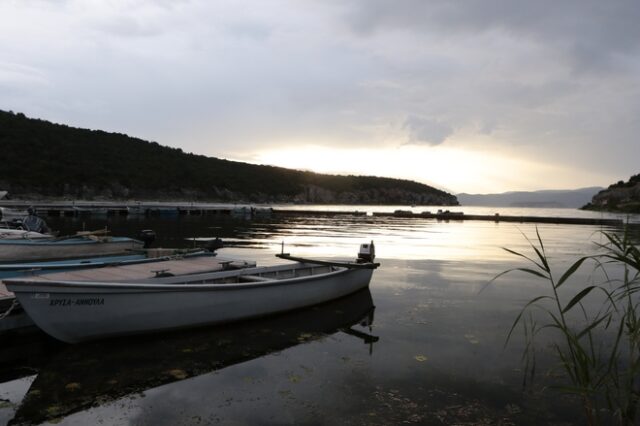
[[149, 256], [74, 248], [74, 312], [20, 234]]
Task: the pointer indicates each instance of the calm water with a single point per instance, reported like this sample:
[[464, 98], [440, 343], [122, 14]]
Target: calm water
[[423, 346]]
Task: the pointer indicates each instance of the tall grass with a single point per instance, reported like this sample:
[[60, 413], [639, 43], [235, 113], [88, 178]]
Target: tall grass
[[598, 349]]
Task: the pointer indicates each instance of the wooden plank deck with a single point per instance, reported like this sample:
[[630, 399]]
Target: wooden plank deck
[[140, 271]]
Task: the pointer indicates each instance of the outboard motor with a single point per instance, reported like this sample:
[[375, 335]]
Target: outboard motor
[[147, 236], [213, 245], [367, 253]]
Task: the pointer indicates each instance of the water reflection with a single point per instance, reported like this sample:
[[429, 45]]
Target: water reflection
[[80, 376], [441, 341], [396, 238]]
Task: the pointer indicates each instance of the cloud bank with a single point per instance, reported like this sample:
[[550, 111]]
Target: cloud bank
[[552, 82]]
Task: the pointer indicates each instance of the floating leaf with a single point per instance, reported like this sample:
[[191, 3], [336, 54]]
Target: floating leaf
[[5, 404], [178, 374], [294, 378], [304, 336], [73, 386], [54, 410], [471, 339]]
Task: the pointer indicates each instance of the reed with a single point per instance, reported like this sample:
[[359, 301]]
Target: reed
[[598, 349]]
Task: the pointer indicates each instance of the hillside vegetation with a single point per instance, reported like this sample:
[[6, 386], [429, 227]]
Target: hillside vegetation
[[570, 198], [619, 197], [40, 159]]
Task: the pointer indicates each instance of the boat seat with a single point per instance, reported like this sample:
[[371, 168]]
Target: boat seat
[[253, 278], [225, 264]]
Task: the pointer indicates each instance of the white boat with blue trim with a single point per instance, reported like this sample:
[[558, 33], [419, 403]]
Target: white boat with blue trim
[[112, 301], [71, 247], [148, 255]]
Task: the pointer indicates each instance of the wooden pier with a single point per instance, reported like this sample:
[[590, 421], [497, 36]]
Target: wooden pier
[[459, 216], [134, 208], [248, 211], [293, 212]]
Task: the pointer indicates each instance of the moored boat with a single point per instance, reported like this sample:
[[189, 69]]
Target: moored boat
[[111, 302], [143, 264], [112, 369], [73, 247], [153, 255], [21, 234]]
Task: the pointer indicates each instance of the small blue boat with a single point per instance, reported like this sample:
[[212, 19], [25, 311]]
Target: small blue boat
[[15, 269]]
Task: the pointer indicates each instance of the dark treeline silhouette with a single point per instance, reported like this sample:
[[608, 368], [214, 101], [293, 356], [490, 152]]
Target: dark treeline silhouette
[[39, 158]]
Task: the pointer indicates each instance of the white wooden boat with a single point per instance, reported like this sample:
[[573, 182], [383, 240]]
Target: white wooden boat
[[140, 363], [113, 301], [74, 247], [12, 315]]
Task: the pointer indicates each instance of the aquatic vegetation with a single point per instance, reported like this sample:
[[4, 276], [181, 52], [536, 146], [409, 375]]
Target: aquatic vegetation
[[178, 374], [5, 403], [598, 349], [294, 378], [73, 386]]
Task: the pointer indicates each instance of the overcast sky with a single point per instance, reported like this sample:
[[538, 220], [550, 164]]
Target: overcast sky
[[469, 96]]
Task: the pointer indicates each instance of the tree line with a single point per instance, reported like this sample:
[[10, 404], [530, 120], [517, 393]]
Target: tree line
[[56, 160]]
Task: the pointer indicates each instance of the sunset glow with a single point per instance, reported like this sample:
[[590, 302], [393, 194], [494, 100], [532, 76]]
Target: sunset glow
[[463, 96], [463, 170]]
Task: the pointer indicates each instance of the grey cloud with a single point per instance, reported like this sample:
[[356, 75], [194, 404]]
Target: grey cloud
[[250, 30], [129, 26], [589, 32], [230, 77], [428, 131]]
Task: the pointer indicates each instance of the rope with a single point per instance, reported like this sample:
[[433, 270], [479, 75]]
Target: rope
[[11, 308]]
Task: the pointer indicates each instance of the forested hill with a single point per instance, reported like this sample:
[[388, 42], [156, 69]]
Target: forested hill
[[619, 197], [46, 160]]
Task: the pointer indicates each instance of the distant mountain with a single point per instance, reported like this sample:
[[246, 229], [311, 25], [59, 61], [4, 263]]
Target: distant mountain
[[619, 197], [572, 198], [39, 159]]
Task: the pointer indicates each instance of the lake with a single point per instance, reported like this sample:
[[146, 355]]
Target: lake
[[425, 345]]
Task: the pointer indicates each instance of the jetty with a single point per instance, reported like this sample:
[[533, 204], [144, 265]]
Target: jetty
[[9, 208], [294, 212], [129, 208], [460, 216]]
